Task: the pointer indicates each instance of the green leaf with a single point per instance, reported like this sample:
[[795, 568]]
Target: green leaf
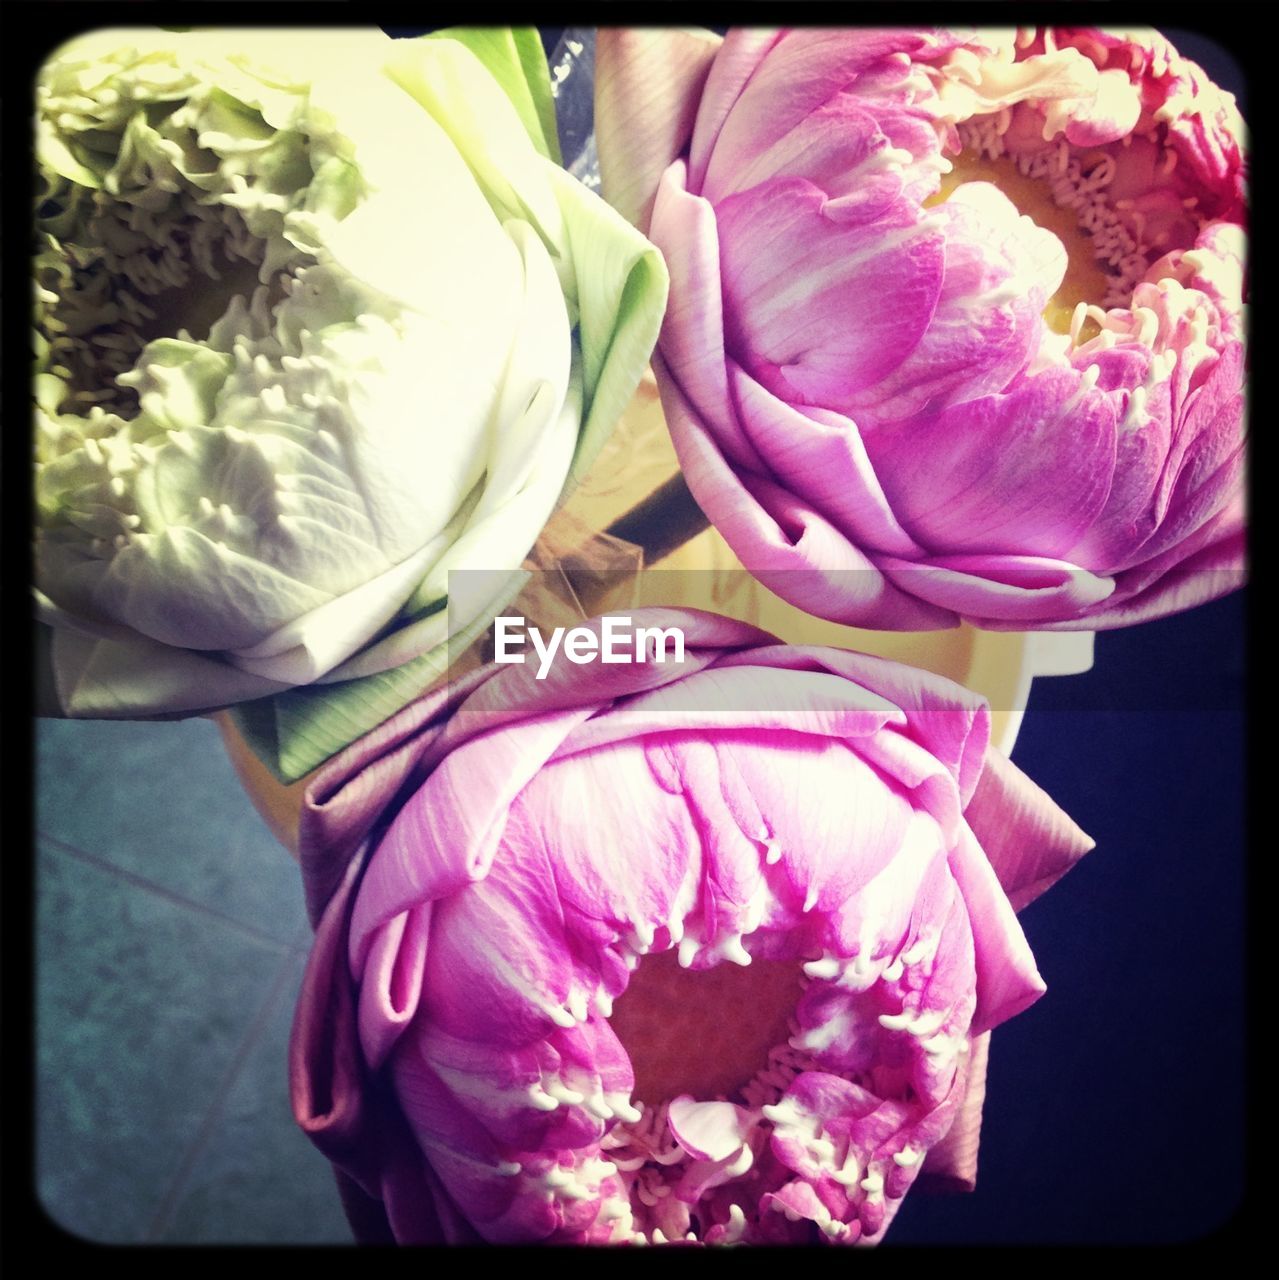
[[622, 284], [298, 730], [294, 732], [515, 59]]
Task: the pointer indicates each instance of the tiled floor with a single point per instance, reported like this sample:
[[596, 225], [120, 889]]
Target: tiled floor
[[170, 944]]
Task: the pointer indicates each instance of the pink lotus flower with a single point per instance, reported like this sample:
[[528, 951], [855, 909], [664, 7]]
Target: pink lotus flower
[[651, 952], [933, 407]]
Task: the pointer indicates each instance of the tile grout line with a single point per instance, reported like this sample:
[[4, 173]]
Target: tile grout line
[[163, 1216], [169, 895]]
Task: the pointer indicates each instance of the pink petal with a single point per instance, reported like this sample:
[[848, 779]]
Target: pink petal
[[747, 696], [840, 146], [952, 1164], [648, 84], [348, 796], [432, 850], [460, 1150], [1029, 841], [1023, 473], [1110, 115], [788, 546], [710, 1130], [1205, 461], [802, 290], [999, 271], [692, 338], [529, 979], [638, 876], [392, 984], [819, 454], [950, 722], [325, 1070], [932, 790], [1210, 565], [736, 62], [776, 85], [1007, 979], [1002, 592], [335, 1107], [1129, 516]]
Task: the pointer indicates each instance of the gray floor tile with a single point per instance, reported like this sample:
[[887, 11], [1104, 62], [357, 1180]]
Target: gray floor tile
[[258, 1180], [162, 802], [141, 1006]]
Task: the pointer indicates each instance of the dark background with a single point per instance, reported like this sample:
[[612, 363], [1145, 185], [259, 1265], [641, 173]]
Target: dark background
[[1115, 1111]]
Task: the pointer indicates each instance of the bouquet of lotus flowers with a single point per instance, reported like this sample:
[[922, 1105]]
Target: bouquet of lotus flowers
[[328, 344]]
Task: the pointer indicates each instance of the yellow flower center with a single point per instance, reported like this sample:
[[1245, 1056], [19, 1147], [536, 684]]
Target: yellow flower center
[[1085, 280]]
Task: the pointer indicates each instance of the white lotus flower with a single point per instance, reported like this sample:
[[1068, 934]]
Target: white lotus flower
[[317, 324]]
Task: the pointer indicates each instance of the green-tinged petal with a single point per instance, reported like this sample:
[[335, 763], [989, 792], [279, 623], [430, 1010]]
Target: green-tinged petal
[[515, 59], [308, 647], [453, 85], [294, 732], [54, 154], [480, 547], [621, 286], [491, 542], [103, 679]]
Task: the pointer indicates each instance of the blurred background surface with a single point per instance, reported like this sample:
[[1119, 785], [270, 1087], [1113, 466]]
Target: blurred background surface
[[170, 940]]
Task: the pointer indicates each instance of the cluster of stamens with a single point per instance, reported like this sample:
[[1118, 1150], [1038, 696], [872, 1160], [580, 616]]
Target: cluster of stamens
[[649, 1187], [103, 293], [651, 1163], [1079, 179]]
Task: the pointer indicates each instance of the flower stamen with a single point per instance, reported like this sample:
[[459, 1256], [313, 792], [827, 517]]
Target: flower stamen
[[767, 1136]]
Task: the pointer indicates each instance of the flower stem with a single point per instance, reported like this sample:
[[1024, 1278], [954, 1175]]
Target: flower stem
[[663, 522]]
